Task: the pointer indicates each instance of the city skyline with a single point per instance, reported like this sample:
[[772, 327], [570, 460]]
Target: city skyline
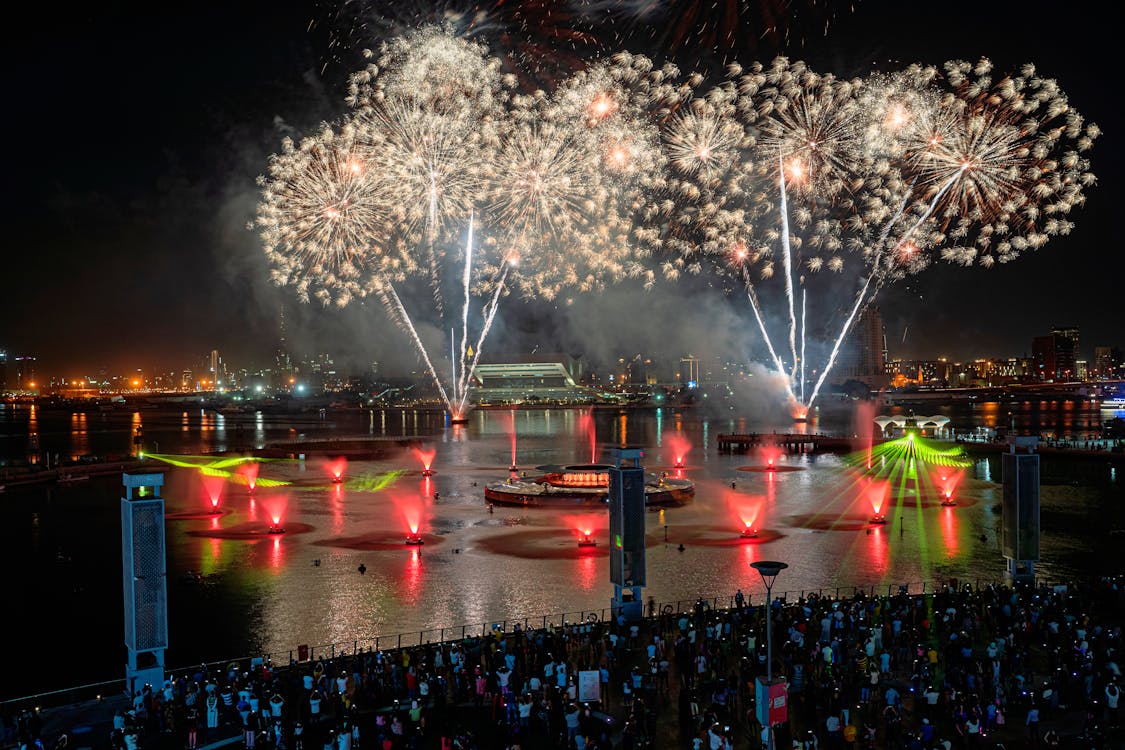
[[135, 248]]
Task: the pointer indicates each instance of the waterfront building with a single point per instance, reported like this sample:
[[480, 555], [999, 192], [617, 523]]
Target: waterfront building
[[536, 378], [1067, 352]]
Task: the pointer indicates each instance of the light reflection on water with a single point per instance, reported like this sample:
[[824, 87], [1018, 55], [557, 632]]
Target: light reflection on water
[[268, 593]]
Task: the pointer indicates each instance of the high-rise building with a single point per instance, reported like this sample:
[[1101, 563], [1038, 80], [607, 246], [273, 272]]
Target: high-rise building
[[3, 370], [865, 355], [25, 378], [1043, 358], [1107, 362], [216, 374], [1067, 352]]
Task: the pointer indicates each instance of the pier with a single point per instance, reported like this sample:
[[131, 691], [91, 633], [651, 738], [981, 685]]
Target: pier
[[792, 442]]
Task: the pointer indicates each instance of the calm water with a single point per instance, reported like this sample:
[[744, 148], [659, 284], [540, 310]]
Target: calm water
[[60, 543]]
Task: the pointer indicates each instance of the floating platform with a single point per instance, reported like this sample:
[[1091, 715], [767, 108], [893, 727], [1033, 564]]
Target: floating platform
[[582, 484]]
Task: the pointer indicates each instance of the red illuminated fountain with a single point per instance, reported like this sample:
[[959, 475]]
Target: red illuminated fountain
[[679, 446], [275, 507], [249, 472], [746, 509], [337, 468], [771, 456], [585, 526], [213, 486], [426, 458], [877, 491], [946, 481], [410, 507]]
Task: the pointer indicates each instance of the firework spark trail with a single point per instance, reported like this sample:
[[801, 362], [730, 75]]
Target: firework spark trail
[[859, 301], [804, 297], [762, 327], [404, 319], [787, 258], [493, 305], [466, 278]]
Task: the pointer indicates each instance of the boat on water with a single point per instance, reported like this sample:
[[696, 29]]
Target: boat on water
[[1113, 403], [582, 484]]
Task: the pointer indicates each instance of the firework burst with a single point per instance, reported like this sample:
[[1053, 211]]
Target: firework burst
[[882, 175]]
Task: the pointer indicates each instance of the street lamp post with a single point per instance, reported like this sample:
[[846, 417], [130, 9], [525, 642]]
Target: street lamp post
[[769, 569]]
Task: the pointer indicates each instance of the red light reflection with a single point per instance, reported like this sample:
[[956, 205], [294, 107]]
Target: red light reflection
[[411, 591], [586, 573], [877, 550], [277, 554], [949, 531]]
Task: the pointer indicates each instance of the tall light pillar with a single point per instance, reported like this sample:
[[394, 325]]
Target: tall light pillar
[[144, 579], [627, 531]]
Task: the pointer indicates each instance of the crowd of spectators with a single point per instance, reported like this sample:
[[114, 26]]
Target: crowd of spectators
[[958, 667]]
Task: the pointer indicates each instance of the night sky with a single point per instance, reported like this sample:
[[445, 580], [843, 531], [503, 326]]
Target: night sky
[[135, 132]]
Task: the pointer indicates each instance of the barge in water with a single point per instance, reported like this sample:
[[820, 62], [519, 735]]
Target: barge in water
[[582, 484]]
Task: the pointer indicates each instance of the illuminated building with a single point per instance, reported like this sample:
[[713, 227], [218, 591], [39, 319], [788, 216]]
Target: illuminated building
[[517, 379], [1107, 362], [1066, 352]]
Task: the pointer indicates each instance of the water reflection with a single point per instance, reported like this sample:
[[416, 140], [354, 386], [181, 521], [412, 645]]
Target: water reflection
[[586, 572], [949, 532], [79, 436], [277, 556], [410, 591], [513, 562]]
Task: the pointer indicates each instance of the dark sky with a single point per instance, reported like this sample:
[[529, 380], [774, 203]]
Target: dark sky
[[135, 132]]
